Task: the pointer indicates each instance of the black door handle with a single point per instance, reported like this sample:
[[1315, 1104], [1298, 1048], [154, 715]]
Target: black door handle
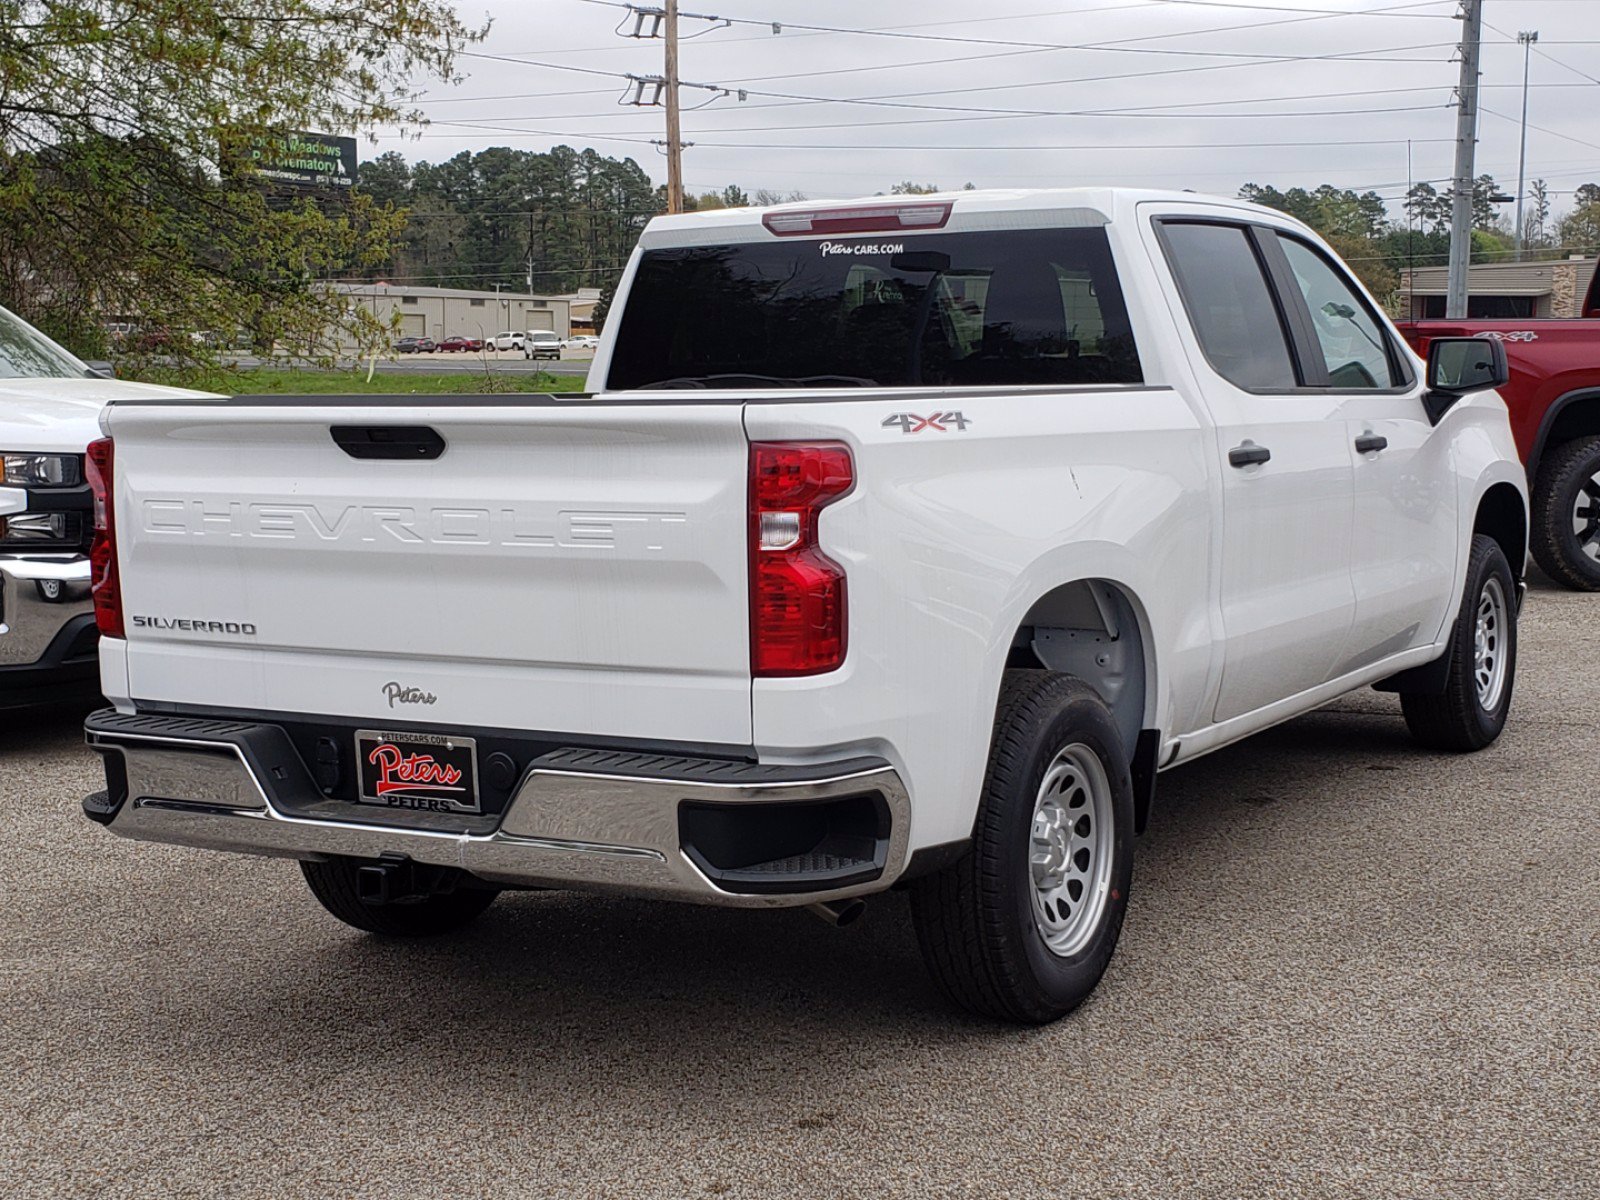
[[388, 441], [1369, 442], [1248, 455]]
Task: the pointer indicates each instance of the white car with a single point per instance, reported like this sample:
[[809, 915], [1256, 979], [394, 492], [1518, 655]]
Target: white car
[[902, 542], [511, 340], [582, 341], [50, 406], [542, 343]]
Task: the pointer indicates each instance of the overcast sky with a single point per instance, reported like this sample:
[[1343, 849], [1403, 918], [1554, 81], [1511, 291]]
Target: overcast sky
[[1200, 94]]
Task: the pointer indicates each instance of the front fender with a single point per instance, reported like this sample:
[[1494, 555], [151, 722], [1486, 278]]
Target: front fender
[[1484, 455]]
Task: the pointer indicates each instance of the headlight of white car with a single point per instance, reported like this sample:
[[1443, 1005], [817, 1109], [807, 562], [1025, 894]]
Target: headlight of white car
[[41, 470]]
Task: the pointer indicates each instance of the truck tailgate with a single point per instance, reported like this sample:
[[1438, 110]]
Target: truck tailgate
[[558, 566]]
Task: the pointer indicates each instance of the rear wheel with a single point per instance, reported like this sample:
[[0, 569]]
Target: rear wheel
[[1023, 927], [334, 884], [1566, 515], [1471, 711]]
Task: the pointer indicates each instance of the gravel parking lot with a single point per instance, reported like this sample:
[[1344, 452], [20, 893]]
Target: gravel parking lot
[[1351, 968]]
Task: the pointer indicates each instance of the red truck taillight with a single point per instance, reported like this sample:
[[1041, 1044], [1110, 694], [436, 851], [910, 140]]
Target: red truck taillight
[[797, 593], [103, 580]]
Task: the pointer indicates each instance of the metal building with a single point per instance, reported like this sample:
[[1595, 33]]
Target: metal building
[[439, 313]]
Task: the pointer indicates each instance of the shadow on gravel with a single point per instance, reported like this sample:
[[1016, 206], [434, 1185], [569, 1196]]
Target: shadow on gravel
[[45, 725]]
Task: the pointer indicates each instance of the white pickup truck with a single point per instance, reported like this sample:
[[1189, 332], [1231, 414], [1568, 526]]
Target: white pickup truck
[[900, 544], [49, 413]]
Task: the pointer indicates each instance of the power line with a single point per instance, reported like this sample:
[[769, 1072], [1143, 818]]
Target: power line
[[875, 100], [899, 102], [1115, 46], [1332, 12], [1552, 132]]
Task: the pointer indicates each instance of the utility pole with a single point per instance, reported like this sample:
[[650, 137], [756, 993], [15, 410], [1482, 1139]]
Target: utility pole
[[1527, 37], [1466, 147], [657, 91], [674, 127]]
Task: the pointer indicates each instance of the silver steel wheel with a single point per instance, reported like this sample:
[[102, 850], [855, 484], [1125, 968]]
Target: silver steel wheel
[[1071, 849], [1586, 517], [1490, 645]]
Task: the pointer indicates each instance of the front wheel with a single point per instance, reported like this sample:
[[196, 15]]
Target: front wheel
[[1566, 515], [1471, 711], [1023, 926]]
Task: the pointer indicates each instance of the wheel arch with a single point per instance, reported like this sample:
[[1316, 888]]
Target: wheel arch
[[1502, 514], [1095, 630], [1572, 415], [1098, 630]]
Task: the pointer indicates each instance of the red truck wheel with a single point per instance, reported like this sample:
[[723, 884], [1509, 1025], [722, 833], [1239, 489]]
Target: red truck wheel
[[1566, 515]]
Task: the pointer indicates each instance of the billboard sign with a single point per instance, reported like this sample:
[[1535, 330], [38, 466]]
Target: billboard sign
[[308, 160]]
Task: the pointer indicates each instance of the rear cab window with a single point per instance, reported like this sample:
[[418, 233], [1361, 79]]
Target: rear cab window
[[1224, 288], [953, 309]]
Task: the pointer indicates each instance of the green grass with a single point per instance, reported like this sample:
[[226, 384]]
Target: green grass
[[292, 381]]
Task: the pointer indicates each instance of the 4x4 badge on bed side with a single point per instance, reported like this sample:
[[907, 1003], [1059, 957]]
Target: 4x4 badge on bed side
[[912, 423]]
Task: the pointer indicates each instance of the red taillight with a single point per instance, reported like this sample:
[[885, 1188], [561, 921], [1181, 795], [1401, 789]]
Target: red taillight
[[103, 580], [877, 218], [797, 600]]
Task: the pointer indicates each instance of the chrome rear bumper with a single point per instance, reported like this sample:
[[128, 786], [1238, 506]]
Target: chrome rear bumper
[[578, 819]]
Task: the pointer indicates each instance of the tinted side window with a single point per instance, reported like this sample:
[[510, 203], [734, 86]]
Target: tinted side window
[[990, 308], [1352, 340], [1226, 296]]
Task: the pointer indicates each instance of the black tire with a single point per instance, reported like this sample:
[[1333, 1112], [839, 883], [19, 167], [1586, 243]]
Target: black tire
[[333, 883], [1457, 718], [1566, 478], [976, 921]]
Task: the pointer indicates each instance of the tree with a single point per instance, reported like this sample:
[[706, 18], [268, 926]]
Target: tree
[[1537, 215], [913, 189], [125, 132], [387, 178], [1587, 194], [1579, 230], [1371, 265], [1427, 210], [1485, 209], [554, 221], [1332, 212], [602, 306], [734, 197]]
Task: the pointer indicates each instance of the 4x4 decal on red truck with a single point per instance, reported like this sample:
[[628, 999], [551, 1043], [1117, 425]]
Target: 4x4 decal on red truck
[[1516, 335], [912, 423]]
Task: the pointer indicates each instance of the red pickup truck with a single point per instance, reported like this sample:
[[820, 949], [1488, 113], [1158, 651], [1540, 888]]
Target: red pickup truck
[[1554, 398]]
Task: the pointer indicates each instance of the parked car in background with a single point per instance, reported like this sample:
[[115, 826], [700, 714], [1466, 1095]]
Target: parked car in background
[[415, 345], [542, 343], [581, 341], [902, 542], [49, 413], [514, 339], [151, 339], [458, 344], [1554, 398]]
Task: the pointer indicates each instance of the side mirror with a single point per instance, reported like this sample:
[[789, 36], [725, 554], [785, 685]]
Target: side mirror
[[1458, 366]]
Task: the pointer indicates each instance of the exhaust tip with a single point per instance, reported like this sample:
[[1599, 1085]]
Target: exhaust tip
[[839, 913]]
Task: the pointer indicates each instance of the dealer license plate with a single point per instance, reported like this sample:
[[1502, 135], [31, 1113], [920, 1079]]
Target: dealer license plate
[[425, 771]]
